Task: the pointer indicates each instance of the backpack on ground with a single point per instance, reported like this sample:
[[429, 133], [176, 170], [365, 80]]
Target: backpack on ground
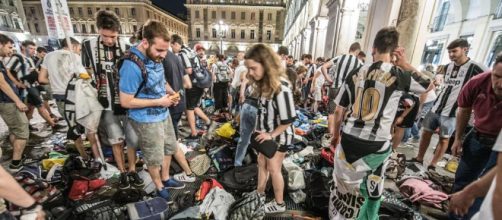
[[98, 209], [240, 179], [318, 192], [222, 73], [155, 208], [250, 206]]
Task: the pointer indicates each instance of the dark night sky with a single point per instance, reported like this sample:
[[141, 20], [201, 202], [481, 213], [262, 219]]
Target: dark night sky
[[176, 7]]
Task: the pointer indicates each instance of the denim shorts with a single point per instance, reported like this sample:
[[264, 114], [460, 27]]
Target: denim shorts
[[446, 125]]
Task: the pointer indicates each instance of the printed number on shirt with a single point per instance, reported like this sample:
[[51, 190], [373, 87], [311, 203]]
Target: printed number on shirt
[[366, 104]]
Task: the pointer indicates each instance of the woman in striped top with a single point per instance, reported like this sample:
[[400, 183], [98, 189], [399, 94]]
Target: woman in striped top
[[276, 112]]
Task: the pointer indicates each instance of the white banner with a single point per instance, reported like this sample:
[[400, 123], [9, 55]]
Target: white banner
[[57, 17]]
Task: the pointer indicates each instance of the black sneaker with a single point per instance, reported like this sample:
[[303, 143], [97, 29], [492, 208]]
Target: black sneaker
[[124, 181], [135, 180], [15, 168]]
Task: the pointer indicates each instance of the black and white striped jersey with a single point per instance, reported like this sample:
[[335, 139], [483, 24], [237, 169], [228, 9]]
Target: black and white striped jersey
[[455, 78], [371, 96], [342, 66], [279, 110]]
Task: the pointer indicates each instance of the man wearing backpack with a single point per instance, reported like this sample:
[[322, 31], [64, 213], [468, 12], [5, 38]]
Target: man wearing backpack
[[221, 76], [58, 69], [100, 56], [191, 62], [143, 92]]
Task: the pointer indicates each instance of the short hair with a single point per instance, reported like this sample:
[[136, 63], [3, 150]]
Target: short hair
[[107, 20], [361, 54], [41, 50], [73, 41], [354, 46], [320, 59], [176, 39], [462, 43], [498, 59], [28, 43], [301, 69], [235, 62], [153, 29], [5, 40], [386, 40], [220, 57], [290, 57], [283, 50], [307, 56], [139, 33]]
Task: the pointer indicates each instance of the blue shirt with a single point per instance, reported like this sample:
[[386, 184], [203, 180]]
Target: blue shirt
[[131, 79]]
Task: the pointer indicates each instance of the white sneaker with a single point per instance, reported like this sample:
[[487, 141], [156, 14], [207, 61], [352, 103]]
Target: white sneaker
[[273, 207], [183, 177]]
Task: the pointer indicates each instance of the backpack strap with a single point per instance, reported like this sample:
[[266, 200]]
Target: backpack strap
[[128, 55]]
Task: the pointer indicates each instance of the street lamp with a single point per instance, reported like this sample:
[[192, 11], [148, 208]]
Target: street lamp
[[222, 29]]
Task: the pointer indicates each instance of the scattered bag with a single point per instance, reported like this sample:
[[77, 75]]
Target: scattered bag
[[318, 191], [222, 157], [396, 166], [130, 195], [199, 162], [328, 154], [240, 179], [250, 206], [216, 203], [98, 209], [48, 163], [452, 165], [83, 187], [205, 187], [226, 131], [155, 208]]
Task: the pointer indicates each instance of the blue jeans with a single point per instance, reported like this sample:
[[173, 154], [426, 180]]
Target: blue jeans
[[247, 126], [476, 160], [411, 132]]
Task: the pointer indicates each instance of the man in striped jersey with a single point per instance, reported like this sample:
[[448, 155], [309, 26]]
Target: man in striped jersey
[[442, 114], [342, 66], [370, 96]]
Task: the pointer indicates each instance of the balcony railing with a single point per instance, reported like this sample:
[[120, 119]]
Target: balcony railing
[[10, 29], [281, 3]]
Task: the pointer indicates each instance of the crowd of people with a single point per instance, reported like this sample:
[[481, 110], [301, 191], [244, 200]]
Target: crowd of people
[[145, 87]]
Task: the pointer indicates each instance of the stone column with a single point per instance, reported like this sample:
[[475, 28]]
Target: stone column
[[408, 24], [306, 40], [331, 31], [381, 13], [320, 40], [349, 17]]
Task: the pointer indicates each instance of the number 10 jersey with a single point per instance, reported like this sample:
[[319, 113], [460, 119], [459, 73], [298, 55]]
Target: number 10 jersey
[[371, 96]]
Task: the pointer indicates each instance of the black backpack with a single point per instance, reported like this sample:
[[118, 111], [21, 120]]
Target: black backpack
[[240, 179], [317, 191], [128, 55]]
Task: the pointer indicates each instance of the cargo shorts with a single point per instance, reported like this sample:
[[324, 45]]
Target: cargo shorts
[[16, 121], [156, 140]]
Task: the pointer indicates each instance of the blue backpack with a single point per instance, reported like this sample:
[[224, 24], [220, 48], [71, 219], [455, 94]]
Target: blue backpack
[[152, 209]]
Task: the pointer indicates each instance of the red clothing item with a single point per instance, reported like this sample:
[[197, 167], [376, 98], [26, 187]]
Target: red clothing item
[[478, 94]]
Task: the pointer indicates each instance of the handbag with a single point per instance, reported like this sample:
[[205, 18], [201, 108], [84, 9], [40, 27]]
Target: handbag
[[267, 148]]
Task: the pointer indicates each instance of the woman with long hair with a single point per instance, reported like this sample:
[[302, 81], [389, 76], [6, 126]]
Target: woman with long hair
[[276, 112]]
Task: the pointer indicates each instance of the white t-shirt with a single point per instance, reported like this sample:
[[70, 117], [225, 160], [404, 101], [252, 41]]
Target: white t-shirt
[[61, 65], [485, 212], [236, 82]]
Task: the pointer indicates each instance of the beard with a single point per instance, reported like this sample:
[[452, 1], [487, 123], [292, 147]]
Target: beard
[[157, 59]]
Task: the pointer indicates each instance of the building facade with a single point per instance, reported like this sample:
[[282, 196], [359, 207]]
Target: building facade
[[324, 28], [477, 21], [12, 20], [132, 14], [230, 26]]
